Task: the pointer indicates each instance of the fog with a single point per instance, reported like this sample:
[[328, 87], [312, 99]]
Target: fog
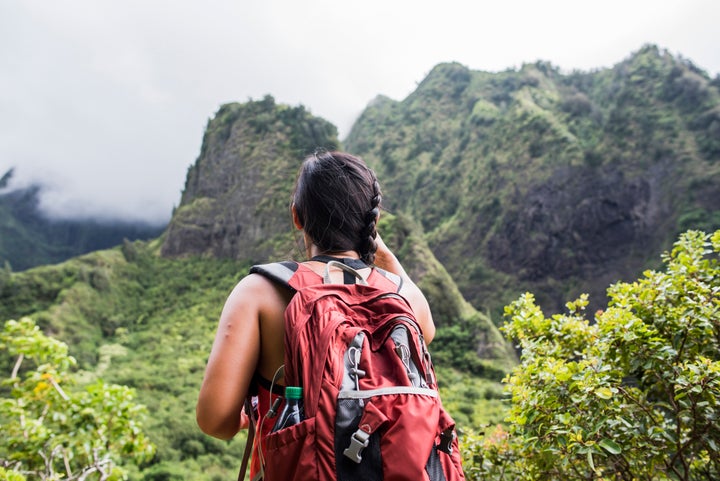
[[104, 103]]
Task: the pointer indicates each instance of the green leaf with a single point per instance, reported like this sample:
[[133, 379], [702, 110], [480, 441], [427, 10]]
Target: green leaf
[[604, 393], [590, 460], [610, 446]]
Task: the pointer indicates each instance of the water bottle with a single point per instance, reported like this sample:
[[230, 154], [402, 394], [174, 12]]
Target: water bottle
[[292, 413]]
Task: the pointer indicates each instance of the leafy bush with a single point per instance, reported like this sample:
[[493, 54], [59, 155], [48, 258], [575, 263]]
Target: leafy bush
[[634, 395], [54, 430]]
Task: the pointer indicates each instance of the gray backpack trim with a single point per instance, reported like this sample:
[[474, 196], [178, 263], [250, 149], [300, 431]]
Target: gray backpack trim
[[396, 279]]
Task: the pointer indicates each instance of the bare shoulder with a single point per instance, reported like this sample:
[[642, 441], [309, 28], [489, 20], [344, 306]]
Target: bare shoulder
[[257, 290]]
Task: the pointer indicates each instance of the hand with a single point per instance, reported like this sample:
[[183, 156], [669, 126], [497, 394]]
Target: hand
[[244, 420]]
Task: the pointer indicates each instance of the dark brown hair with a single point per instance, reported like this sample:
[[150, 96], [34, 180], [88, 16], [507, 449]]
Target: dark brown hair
[[337, 200]]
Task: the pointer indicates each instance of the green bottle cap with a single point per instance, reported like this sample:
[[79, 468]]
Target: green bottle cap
[[293, 392]]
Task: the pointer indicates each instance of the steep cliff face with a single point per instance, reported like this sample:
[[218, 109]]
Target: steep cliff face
[[591, 225], [237, 194], [537, 180]]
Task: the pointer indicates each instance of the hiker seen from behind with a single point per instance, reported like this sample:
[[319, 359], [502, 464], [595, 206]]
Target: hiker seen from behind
[[326, 360]]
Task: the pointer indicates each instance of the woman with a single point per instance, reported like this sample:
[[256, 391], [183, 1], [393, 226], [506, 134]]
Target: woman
[[336, 206]]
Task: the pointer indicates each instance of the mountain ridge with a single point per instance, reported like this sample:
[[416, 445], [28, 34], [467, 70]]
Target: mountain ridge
[[524, 179], [510, 173]]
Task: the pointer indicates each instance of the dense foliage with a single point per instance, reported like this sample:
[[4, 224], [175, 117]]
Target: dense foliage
[[141, 321], [633, 395], [53, 429]]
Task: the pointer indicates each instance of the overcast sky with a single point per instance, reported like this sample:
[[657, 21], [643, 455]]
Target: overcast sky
[[105, 102]]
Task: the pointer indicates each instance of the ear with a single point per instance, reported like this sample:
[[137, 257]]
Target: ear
[[296, 219]]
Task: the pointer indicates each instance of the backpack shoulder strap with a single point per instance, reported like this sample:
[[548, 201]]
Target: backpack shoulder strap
[[289, 274], [279, 272], [283, 272]]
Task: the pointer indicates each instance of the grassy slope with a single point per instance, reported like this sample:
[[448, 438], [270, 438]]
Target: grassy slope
[[140, 320]]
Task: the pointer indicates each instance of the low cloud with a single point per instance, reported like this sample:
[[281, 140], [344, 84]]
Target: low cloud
[[105, 103]]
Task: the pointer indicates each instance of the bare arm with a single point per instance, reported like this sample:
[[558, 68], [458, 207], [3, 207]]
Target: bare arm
[[233, 360], [385, 259]]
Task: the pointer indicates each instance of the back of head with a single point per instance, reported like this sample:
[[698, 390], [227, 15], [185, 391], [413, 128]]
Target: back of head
[[337, 200]]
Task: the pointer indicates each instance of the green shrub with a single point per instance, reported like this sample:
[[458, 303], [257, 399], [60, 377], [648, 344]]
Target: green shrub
[[633, 395]]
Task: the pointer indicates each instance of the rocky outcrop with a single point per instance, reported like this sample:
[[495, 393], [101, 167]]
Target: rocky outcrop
[[580, 219], [237, 194]]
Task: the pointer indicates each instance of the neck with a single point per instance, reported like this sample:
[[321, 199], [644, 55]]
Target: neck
[[339, 255], [312, 250]]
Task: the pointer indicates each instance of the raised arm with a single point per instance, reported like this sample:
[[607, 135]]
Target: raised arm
[[385, 259]]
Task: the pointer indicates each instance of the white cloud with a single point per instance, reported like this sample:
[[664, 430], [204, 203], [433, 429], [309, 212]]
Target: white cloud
[[106, 102]]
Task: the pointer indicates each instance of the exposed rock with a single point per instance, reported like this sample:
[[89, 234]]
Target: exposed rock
[[580, 218], [237, 195]]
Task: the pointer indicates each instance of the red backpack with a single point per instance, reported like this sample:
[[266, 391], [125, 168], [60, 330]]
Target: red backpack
[[371, 404]]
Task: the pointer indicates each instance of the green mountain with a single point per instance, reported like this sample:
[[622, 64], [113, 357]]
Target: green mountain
[[235, 205], [556, 183], [236, 198], [28, 238], [494, 183]]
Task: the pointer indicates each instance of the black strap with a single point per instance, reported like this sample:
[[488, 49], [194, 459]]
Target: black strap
[[356, 264], [250, 439], [269, 386], [280, 272]]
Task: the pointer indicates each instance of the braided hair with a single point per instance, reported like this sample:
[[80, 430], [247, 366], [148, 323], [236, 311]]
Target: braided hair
[[338, 199]]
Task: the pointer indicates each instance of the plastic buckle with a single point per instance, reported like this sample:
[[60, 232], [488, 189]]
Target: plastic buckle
[[446, 439], [359, 441]]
